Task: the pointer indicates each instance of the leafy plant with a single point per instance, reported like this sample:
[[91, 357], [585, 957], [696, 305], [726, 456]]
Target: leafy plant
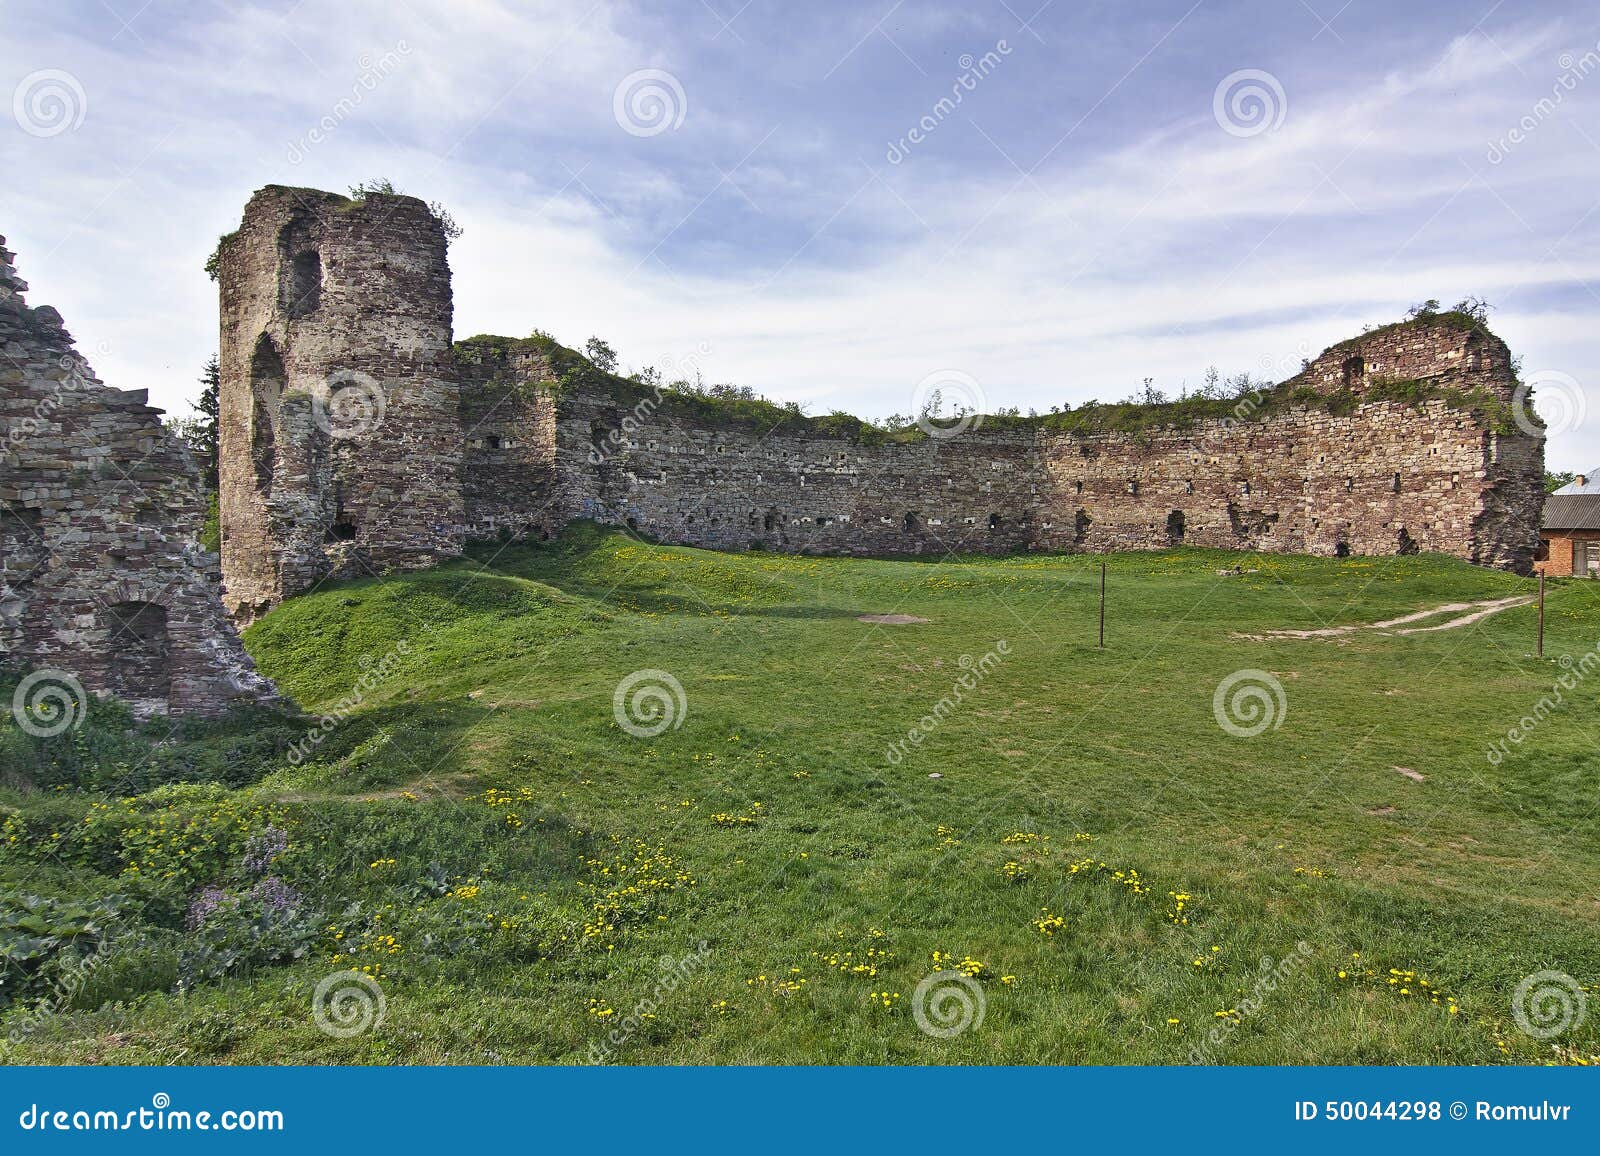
[[384, 187], [38, 936], [248, 929]]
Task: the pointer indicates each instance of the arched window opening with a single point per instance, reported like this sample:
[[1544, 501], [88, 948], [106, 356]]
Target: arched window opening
[[1354, 370], [305, 284], [1175, 528], [267, 380]]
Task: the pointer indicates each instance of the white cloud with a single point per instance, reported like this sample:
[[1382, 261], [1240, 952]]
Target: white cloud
[[1182, 246]]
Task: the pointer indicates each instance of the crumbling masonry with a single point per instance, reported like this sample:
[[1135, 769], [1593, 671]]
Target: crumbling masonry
[[102, 576], [356, 437]]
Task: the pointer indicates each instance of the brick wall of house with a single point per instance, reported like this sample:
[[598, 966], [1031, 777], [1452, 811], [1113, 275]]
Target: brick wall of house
[[1565, 549]]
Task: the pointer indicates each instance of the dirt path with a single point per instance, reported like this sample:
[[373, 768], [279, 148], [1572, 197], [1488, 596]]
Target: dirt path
[[1467, 612]]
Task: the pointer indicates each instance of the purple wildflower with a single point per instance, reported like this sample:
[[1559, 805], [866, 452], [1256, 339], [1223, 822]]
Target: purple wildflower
[[263, 847], [275, 895], [204, 906]]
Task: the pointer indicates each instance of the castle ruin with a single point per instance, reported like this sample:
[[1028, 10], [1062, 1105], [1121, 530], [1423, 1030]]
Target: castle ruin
[[103, 580], [357, 436]]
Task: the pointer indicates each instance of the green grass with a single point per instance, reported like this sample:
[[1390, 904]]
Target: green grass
[[497, 674]]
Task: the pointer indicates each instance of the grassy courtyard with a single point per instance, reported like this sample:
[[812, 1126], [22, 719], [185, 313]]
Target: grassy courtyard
[[1119, 877]]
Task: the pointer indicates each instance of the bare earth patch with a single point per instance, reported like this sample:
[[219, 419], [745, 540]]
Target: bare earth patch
[[891, 619], [1467, 613]]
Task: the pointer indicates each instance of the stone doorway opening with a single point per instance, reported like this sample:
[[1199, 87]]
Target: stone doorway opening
[[1354, 369], [140, 668]]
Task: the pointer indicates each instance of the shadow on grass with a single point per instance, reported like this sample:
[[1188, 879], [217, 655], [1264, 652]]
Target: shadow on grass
[[385, 746]]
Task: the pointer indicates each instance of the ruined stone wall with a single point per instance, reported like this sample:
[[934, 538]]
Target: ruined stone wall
[[102, 576], [1443, 352], [1391, 442], [339, 427], [1386, 477], [731, 487], [508, 427]]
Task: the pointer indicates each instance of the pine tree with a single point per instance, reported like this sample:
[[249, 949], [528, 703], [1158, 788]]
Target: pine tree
[[201, 431]]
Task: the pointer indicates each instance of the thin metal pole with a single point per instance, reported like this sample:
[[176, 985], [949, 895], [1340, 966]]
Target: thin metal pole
[[1103, 606], [1540, 650]]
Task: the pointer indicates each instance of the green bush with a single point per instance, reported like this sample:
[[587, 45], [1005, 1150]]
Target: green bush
[[42, 940], [113, 752]]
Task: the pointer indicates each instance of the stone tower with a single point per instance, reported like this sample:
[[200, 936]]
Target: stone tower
[[340, 439]]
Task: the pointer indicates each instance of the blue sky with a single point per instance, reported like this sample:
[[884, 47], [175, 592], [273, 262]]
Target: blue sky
[[1094, 210]]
